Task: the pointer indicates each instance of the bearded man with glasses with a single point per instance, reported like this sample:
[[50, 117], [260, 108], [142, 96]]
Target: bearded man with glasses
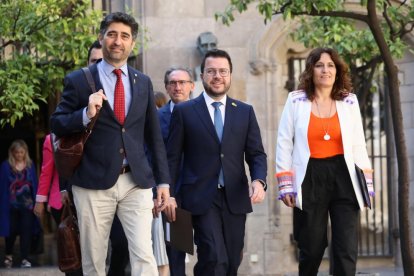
[[210, 138]]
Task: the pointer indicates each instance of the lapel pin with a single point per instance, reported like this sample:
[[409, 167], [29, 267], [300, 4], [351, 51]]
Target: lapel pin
[[233, 104]]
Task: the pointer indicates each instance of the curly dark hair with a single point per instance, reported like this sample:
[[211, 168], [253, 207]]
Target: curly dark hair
[[343, 84]]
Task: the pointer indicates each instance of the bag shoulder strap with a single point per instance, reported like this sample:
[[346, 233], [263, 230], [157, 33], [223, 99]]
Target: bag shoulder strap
[[91, 83], [89, 78]]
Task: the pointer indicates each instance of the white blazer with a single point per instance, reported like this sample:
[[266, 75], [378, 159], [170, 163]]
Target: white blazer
[[292, 150]]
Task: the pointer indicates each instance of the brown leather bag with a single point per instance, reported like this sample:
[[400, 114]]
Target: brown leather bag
[[68, 246], [68, 150]]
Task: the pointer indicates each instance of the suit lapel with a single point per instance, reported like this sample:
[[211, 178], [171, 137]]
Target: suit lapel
[[202, 111], [137, 88], [229, 118], [166, 114]]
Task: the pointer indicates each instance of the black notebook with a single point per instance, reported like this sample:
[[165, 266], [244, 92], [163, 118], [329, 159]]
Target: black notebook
[[179, 233], [363, 186]]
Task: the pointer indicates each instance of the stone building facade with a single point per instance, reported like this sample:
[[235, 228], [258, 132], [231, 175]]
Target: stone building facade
[[261, 55]]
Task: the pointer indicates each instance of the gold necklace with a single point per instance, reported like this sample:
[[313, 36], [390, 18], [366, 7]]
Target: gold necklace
[[326, 137]]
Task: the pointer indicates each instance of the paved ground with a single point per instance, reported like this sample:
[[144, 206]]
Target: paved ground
[[52, 271], [41, 271]]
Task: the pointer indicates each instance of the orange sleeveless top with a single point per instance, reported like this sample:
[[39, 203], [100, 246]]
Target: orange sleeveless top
[[321, 129]]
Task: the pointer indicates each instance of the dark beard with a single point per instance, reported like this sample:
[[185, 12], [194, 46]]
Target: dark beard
[[214, 94]]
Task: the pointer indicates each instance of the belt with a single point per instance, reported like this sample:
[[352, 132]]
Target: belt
[[125, 169]]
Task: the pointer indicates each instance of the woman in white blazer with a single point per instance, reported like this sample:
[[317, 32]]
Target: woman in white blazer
[[320, 139]]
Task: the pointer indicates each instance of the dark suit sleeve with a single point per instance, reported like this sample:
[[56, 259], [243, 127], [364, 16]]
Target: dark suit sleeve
[[67, 117], [154, 141], [254, 153], [175, 146]]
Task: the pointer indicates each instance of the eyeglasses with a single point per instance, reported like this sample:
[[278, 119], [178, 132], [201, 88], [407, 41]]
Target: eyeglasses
[[180, 82], [224, 72]]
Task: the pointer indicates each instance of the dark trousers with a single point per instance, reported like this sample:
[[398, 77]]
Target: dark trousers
[[219, 236], [176, 260], [327, 189], [21, 223], [56, 214], [119, 245]]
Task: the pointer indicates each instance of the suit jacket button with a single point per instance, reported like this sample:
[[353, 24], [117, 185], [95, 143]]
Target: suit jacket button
[[222, 155], [121, 150], [123, 130]]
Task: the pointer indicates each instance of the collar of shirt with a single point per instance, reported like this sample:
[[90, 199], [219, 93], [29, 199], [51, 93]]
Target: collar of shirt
[[172, 104], [109, 68], [210, 107]]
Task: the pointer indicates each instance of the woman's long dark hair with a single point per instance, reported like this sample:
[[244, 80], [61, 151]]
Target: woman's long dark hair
[[342, 85]]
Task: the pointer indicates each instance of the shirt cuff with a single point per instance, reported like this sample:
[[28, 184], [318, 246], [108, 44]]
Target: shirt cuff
[[41, 198], [85, 119], [285, 183], [370, 184], [163, 185], [262, 182]]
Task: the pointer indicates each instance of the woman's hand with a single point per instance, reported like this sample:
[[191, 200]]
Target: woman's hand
[[39, 209], [289, 200]]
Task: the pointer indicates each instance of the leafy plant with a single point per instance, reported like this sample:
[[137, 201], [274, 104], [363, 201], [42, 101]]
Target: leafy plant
[[41, 40]]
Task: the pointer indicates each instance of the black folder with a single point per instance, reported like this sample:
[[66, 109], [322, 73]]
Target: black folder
[[363, 186], [179, 233]]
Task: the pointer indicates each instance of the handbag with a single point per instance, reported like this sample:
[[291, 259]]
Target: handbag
[[68, 150], [68, 246], [363, 185]]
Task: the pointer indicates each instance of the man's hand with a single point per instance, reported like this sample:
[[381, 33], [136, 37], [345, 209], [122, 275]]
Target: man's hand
[[170, 209], [155, 211], [289, 200], [95, 103], [64, 197], [257, 192], [163, 195]]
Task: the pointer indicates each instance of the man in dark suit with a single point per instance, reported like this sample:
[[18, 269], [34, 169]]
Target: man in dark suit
[[114, 175], [210, 139], [179, 84]]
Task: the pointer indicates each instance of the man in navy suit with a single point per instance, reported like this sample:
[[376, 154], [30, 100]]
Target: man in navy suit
[[210, 139], [179, 84], [114, 175]]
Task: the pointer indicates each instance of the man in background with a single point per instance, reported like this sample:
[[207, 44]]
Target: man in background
[[179, 84]]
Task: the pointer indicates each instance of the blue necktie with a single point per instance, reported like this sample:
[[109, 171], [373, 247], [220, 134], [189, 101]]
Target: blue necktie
[[218, 121], [218, 124]]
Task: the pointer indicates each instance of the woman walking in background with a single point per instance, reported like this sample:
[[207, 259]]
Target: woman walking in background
[[320, 139], [18, 186], [49, 191]]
